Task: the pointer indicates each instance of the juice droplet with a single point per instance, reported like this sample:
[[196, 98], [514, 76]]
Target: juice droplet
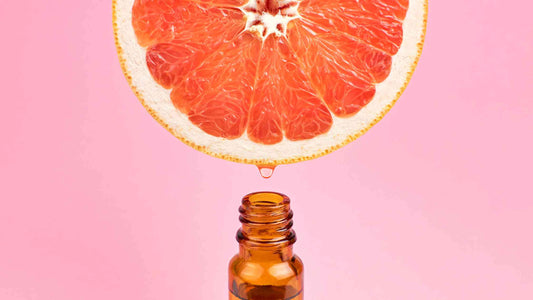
[[266, 171]]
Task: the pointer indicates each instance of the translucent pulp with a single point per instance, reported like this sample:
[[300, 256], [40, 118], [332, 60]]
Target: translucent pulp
[[265, 17]]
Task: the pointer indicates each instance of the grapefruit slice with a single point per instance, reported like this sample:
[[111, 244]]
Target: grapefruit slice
[[268, 82]]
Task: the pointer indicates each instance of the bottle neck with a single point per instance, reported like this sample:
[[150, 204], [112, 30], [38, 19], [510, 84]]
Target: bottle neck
[[255, 254], [266, 231]]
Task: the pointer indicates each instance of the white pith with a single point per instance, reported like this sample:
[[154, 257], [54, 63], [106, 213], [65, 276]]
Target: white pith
[[243, 149], [268, 23]]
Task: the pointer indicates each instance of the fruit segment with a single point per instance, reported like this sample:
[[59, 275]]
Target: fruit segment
[[382, 8], [284, 102], [343, 89], [159, 21], [223, 3], [377, 23], [216, 96], [181, 34]]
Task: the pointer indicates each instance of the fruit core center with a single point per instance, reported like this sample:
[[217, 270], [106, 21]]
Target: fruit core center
[[265, 17]]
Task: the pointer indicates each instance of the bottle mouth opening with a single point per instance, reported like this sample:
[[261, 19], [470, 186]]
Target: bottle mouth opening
[[266, 219], [266, 199]]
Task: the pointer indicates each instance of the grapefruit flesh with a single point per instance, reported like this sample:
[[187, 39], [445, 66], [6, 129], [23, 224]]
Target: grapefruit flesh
[[269, 72], [229, 81]]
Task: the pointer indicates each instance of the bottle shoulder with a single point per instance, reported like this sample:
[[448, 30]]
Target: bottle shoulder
[[297, 262], [273, 271]]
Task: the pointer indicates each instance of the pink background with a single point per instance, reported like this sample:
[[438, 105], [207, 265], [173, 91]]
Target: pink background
[[100, 202]]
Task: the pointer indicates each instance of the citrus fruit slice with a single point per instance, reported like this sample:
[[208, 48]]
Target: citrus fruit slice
[[268, 82]]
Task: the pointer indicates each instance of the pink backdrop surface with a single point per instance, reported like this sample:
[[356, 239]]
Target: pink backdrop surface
[[100, 202]]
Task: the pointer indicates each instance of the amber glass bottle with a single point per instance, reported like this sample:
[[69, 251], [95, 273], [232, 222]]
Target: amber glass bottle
[[266, 268]]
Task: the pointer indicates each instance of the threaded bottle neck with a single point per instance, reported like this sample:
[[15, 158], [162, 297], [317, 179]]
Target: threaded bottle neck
[[266, 220]]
